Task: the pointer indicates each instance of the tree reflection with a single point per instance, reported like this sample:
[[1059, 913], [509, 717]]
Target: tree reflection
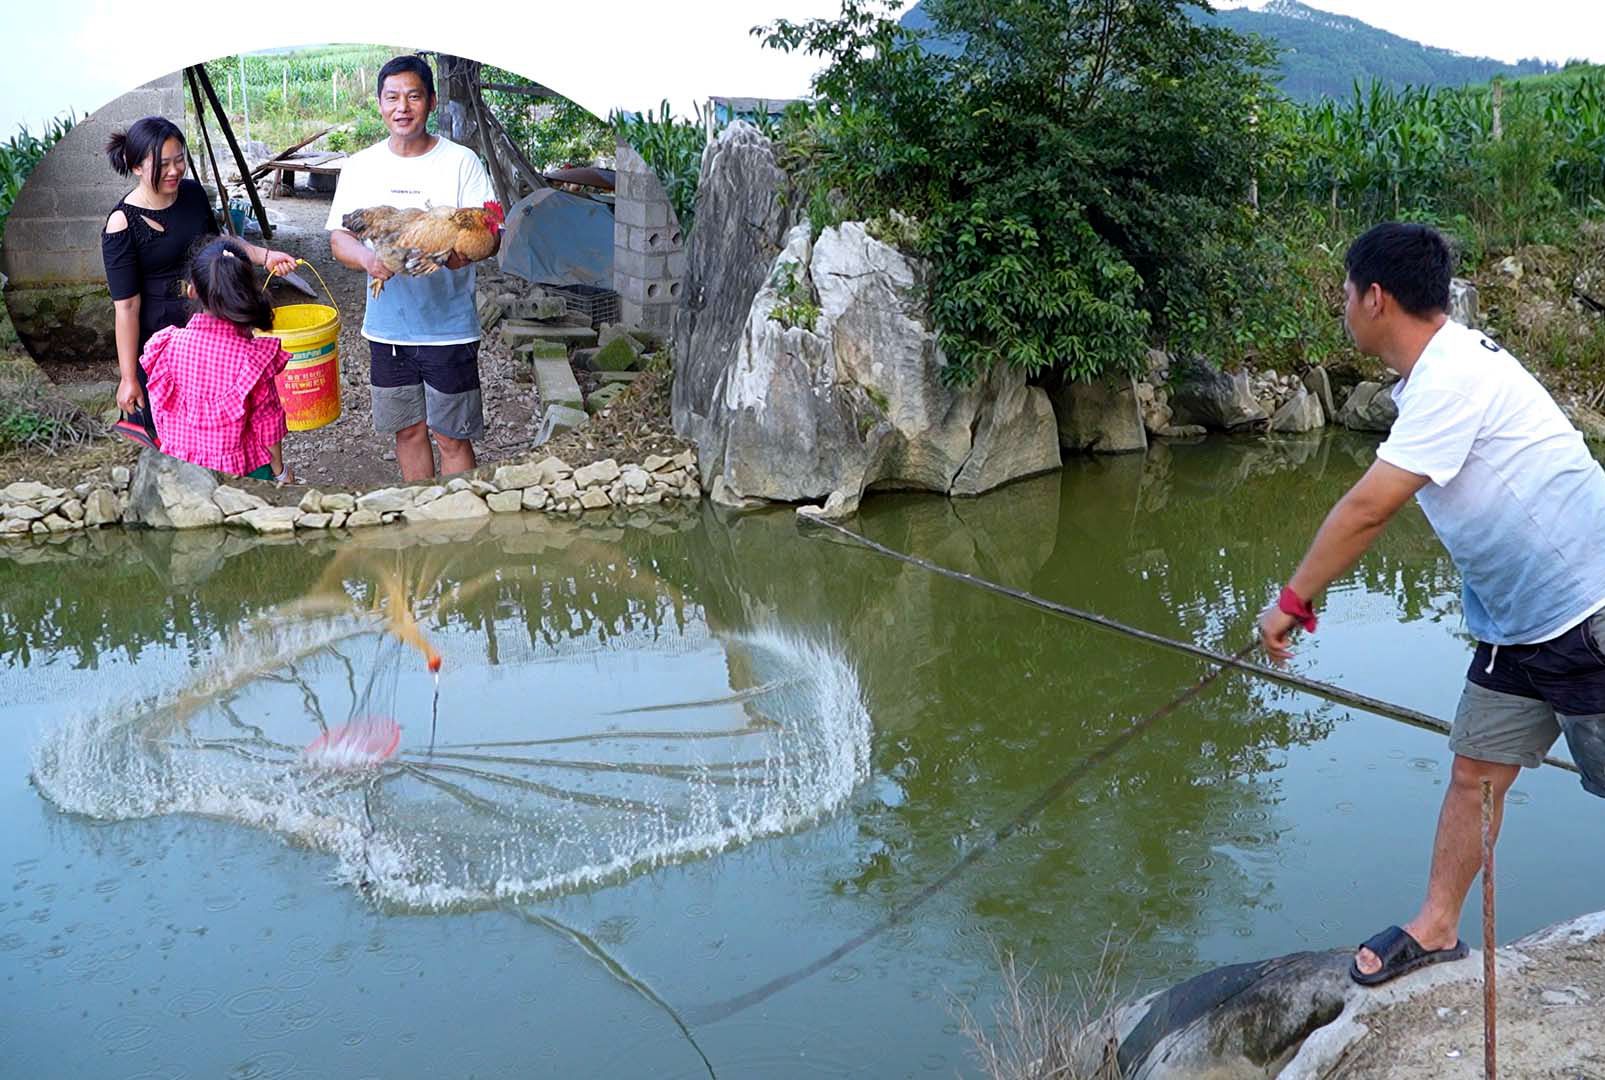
[[978, 704]]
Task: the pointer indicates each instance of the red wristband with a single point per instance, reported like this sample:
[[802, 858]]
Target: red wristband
[[1292, 604]]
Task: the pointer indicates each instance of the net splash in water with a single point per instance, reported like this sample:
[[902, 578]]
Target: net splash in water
[[724, 740]]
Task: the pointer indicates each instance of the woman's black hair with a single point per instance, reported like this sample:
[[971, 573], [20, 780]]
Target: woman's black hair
[[413, 63], [226, 286], [144, 139]]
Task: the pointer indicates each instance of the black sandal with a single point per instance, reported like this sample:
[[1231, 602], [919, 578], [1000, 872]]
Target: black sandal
[[1400, 954]]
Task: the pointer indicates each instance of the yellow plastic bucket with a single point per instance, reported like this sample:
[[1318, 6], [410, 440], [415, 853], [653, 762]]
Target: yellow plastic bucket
[[309, 385]]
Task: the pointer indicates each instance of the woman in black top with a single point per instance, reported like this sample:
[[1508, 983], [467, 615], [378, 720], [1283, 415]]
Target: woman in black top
[[147, 239]]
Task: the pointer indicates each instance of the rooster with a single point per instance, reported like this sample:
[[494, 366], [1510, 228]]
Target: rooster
[[420, 241]]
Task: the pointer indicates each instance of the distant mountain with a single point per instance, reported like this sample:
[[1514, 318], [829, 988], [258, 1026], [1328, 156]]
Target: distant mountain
[[1323, 55]]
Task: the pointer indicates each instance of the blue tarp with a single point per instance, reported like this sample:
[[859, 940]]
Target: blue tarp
[[559, 238]]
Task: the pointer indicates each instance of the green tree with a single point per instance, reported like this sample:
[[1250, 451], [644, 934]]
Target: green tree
[[1064, 158]]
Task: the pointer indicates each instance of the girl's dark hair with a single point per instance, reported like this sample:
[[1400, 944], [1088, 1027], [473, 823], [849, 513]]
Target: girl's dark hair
[[127, 150], [225, 284], [413, 63], [1411, 262]]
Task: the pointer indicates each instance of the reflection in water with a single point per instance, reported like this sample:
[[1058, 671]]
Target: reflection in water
[[609, 694]]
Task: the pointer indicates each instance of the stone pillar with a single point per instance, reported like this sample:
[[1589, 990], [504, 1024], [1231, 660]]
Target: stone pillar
[[648, 246], [56, 290]]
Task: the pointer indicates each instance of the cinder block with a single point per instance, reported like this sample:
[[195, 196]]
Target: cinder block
[[627, 160], [658, 317], [556, 382], [651, 241], [37, 234], [76, 201], [36, 268], [629, 212], [653, 215], [675, 264], [630, 288], [637, 264], [648, 188]]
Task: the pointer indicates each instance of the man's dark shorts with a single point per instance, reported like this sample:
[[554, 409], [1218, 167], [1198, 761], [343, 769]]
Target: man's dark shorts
[[1520, 698], [434, 383]]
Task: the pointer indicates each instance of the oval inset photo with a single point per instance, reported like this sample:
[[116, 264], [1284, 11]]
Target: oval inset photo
[[345, 266]]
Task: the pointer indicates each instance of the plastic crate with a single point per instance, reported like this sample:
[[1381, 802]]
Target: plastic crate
[[591, 301]]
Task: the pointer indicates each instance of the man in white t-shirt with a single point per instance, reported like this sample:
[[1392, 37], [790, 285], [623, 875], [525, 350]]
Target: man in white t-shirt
[[422, 332], [1514, 495]]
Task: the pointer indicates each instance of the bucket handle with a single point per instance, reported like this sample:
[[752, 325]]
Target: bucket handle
[[309, 266]]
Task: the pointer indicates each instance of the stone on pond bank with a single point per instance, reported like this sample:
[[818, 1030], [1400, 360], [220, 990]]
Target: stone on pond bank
[[167, 493], [1300, 415], [1213, 399], [1101, 417], [457, 506], [1370, 407]]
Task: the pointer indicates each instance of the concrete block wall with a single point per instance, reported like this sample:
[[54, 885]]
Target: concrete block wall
[[56, 291], [53, 232], [648, 245]]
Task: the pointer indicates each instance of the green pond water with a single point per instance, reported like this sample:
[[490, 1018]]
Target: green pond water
[[677, 768]]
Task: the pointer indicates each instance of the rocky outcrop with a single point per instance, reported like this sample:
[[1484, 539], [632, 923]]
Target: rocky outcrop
[[742, 220], [171, 494], [1302, 413], [837, 387], [1207, 397], [1300, 1017], [1370, 407], [1318, 383], [1105, 417], [1463, 302]]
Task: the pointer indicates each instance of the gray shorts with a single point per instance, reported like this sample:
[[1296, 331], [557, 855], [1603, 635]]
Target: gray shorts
[[437, 384], [1520, 698]]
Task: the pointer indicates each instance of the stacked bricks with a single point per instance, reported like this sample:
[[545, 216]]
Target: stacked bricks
[[648, 246]]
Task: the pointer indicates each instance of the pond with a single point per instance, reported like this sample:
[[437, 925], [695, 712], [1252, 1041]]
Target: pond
[[693, 795]]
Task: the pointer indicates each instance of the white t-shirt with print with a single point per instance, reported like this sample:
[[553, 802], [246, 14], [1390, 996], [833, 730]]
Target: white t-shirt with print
[[431, 309], [1514, 496]]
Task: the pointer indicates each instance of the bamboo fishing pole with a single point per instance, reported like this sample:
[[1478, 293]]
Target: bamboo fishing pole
[[1335, 694]]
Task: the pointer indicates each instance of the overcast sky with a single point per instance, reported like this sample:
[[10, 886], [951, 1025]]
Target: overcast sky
[[81, 53]]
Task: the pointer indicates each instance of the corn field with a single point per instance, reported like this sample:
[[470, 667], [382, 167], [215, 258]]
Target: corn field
[[281, 98], [1435, 154], [20, 154]]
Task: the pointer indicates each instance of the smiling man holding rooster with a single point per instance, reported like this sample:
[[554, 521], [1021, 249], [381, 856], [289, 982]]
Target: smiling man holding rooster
[[421, 324]]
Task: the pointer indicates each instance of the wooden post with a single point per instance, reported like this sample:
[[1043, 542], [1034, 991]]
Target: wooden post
[[239, 158], [227, 224], [230, 84], [284, 93], [1489, 941], [1499, 110], [245, 103], [334, 87]]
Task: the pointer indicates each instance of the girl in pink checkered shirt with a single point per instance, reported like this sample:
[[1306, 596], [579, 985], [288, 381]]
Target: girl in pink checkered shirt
[[211, 382]]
